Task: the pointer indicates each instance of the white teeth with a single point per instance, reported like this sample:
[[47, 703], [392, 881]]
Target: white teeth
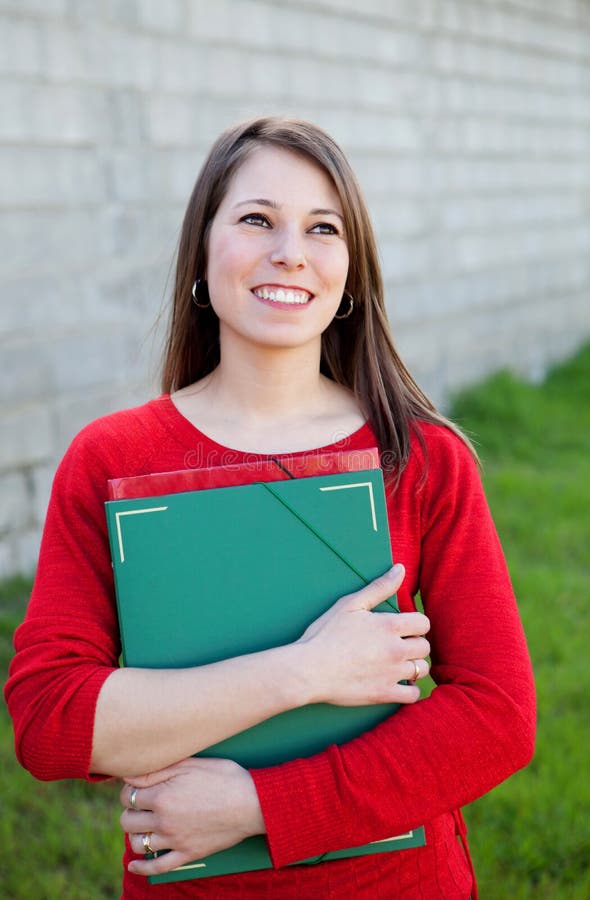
[[282, 296]]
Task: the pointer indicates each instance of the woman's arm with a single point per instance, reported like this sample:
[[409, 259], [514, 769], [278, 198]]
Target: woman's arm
[[148, 719], [76, 714]]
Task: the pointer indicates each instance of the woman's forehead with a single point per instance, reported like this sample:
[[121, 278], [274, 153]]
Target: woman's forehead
[[283, 176]]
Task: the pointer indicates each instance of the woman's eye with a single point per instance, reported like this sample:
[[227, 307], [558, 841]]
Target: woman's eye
[[324, 228], [256, 219]]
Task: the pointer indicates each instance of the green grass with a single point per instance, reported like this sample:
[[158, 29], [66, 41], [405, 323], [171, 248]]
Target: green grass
[[529, 837], [60, 840]]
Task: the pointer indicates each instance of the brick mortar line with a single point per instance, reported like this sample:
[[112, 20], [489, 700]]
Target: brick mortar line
[[541, 226], [95, 391], [355, 14], [437, 31], [367, 155], [505, 194], [506, 303], [381, 109], [507, 300], [98, 328], [566, 22], [427, 72], [156, 150], [108, 207], [98, 390], [503, 266]]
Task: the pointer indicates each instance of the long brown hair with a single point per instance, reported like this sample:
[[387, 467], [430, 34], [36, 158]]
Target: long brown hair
[[357, 352]]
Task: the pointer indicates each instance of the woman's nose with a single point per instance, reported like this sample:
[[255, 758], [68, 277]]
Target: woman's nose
[[288, 250]]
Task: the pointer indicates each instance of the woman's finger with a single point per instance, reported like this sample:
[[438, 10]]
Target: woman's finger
[[418, 668], [146, 841], [135, 822], [136, 798], [415, 648], [403, 693], [377, 591], [129, 797], [414, 624]]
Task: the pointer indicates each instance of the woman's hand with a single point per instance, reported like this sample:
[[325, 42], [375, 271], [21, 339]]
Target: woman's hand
[[193, 808], [357, 657]]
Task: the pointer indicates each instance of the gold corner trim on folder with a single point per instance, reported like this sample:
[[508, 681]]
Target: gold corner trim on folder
[[189, 866], [131, 512], [359, 484], [396, 837]]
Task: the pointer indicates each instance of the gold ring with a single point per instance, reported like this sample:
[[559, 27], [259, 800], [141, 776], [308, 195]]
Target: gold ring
[[146, 842], [133, 799], [416, 672]]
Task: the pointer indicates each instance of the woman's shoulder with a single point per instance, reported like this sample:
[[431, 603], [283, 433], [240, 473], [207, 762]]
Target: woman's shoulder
[[440, 451], [124, 421], [447, 436], [128, 434]]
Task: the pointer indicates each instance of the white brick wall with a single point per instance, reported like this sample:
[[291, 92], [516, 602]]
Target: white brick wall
[[468, 122]]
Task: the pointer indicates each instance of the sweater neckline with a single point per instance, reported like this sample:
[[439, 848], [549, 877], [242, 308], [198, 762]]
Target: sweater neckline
[[185, 431]]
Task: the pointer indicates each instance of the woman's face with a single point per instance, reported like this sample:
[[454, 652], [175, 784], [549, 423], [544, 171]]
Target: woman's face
[[277, 258]]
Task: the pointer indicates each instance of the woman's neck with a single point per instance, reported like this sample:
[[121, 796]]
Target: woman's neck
[[270, 402], [268, 386]]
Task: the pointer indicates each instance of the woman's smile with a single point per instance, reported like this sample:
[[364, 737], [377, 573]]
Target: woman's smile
[[284, 296]]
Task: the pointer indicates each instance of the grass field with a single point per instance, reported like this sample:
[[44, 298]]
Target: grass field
[[60, 840], [529, 837]]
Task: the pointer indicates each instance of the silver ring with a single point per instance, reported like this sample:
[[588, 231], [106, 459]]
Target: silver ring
[[146, 842], [416, 671], [133, 799]]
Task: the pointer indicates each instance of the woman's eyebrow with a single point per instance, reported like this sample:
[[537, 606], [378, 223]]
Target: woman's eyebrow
[[258, 201], [326, 212], [262, 201]]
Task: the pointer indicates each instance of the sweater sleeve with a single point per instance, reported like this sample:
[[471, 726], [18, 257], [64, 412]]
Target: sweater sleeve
[[475, 729], [68, 643]]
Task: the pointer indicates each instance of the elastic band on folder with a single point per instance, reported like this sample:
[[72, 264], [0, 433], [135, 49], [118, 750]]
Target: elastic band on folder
[[320, 536], [281, 467]]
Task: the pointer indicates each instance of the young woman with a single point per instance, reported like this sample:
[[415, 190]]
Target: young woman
[[279, 344]]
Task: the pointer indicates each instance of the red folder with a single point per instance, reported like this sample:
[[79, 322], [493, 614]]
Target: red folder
[[276, 468]]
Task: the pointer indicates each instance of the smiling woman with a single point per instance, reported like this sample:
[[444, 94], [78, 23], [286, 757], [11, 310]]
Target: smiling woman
[[276, 272], [278, 252], [279, 344]]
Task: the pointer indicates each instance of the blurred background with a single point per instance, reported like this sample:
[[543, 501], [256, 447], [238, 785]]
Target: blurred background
[[467, 121], [468, 124]]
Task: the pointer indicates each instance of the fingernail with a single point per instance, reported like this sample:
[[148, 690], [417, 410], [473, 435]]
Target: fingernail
[[397, 570]]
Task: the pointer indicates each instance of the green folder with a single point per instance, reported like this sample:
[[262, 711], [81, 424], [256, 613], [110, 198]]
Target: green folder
[[205, 575]]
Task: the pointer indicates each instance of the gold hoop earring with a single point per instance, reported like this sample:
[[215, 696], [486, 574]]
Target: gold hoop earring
[[200, 291], [350, 300]]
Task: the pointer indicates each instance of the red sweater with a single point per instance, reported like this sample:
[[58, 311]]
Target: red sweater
[[416, 768]]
